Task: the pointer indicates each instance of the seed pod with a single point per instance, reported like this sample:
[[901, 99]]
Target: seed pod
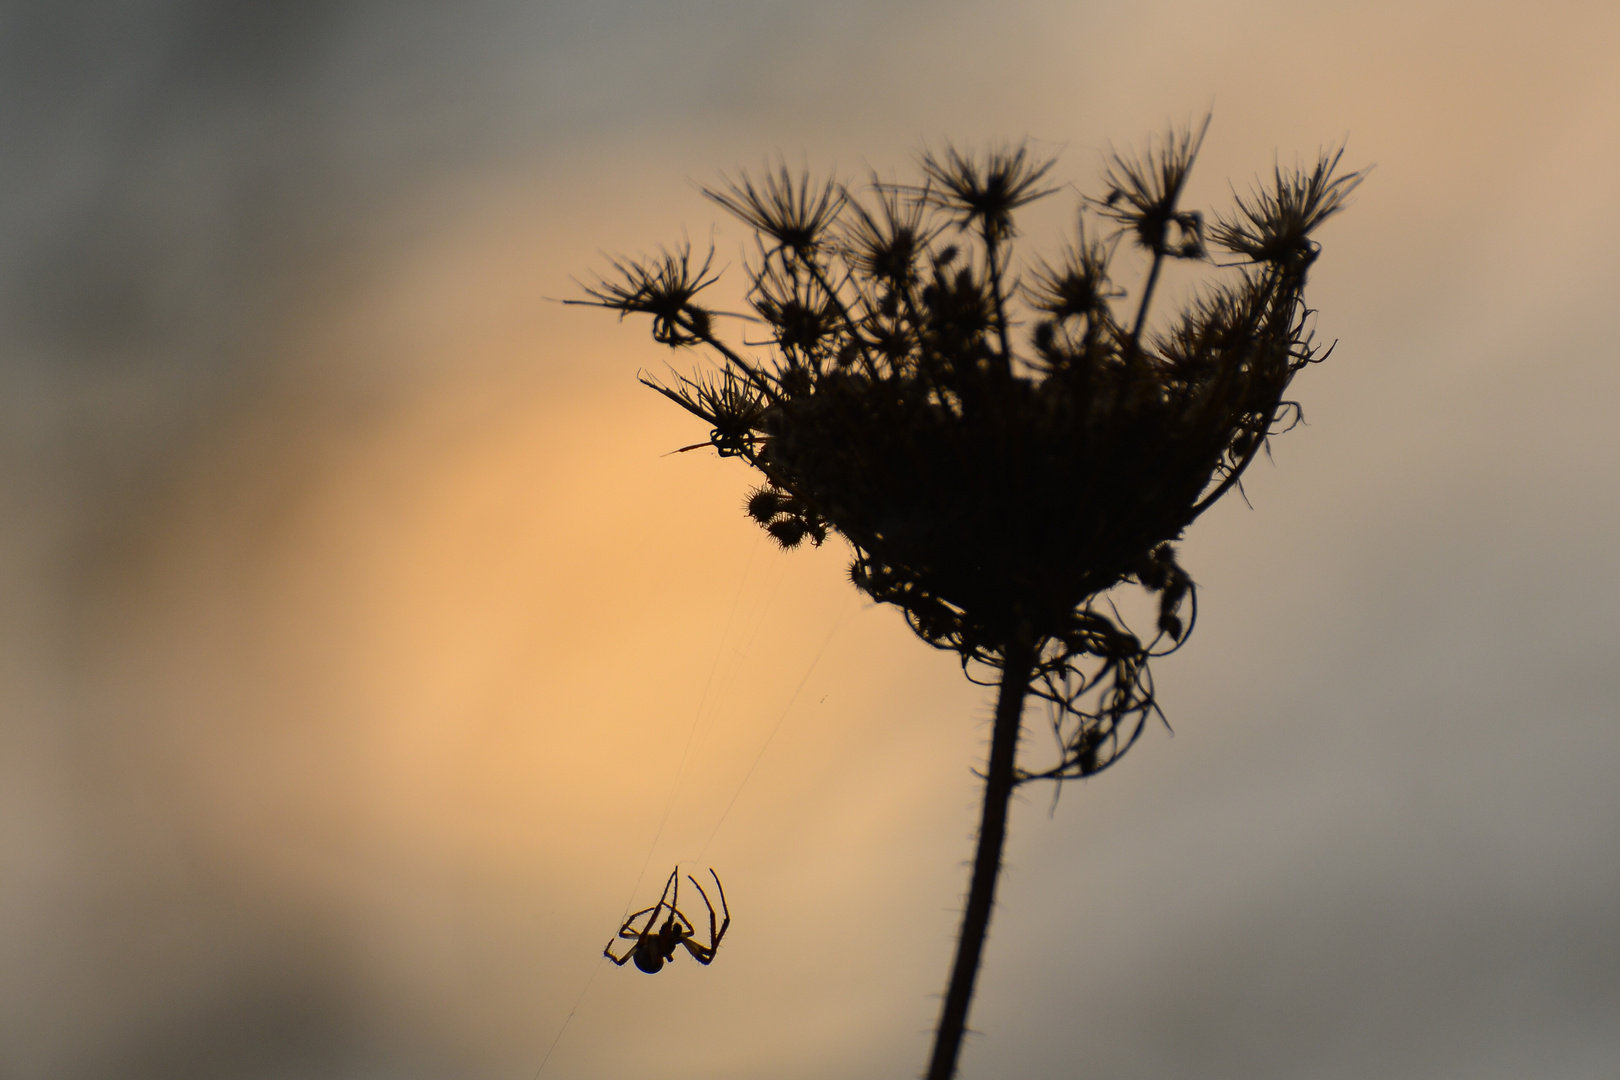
[[788, 532], [764, 504]]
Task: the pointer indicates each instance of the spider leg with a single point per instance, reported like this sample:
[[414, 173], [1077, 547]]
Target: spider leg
[[675, 908], [704, 954], [628, 930], [675, 880], [725, 910], [652, 918]]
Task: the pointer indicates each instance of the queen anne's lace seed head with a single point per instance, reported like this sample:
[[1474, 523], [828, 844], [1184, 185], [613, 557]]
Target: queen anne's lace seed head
[[994, 495]]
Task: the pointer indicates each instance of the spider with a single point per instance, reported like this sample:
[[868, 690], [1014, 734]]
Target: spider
[[653, 947]]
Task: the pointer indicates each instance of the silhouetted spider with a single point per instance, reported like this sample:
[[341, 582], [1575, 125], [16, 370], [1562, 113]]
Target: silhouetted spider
[[653, 947]]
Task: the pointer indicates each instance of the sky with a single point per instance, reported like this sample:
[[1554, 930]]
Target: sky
[[365, 655]]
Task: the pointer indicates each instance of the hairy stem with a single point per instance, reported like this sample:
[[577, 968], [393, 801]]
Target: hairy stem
[[992, 254], [1147, 297], [1017, 668]]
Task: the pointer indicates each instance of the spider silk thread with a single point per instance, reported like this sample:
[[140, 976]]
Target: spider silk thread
[[766, 745], [587, 989], [669, 802], [691, 733], [736, 655], [720, 651]]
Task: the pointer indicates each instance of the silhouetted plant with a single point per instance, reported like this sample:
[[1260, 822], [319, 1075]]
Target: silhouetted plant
[[995, 494]]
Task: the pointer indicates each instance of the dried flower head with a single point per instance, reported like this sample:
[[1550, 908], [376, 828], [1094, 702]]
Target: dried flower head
[[996, 499], [663, 287], [982, 192], [1144, 194], [793, 214], [885, 242], [1274, 225]]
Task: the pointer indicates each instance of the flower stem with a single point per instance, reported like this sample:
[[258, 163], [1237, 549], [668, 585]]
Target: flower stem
[[1000, 778]]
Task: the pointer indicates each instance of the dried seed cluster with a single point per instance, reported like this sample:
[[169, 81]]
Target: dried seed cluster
[[995, 489]]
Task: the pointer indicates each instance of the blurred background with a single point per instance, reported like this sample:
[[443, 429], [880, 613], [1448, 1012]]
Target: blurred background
[[363, 658]]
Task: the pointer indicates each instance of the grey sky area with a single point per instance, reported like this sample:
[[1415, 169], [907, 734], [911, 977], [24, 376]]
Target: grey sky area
[[353, 627]]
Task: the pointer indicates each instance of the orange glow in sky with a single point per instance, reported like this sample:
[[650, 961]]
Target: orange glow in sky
[[368, 654]]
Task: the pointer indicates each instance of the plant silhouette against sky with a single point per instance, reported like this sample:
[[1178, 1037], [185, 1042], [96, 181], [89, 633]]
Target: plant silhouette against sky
[[1000, 448]]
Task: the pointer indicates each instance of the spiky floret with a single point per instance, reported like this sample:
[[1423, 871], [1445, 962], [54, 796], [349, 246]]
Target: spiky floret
[[733, 407], [1274, 225], [793, 214], [1144, 194], [982, 191], [996, 498], [664, 287], [883, 243], [1078, 287]]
